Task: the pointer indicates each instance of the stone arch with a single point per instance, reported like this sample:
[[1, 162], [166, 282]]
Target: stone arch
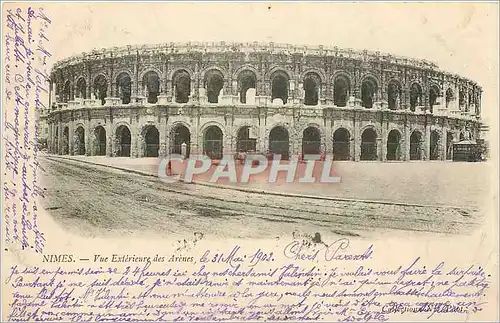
[[211, 69], [279, 85], [434, 94], [244, 140], [207, 124], [123, 139], [415, 95], [470, 101], [65, 141], [149, 69], [450, 97], [180, 69], [150, 140], [434, 145], [100, 140], [100, 86], [279, 141], [346, 74], [394, 93], [369, 88], [394, 145], [369, 138], [213, 82], [319, 72], [151, 85], [277, 69], [181, 83], [213, 142], [416, 141], [341, 88], [180, 123], [180, 136], [341, 143], [124, 86], [81, 88], [79, 140], [312, 86], [127, 71], [373, 127], [244, 67], [246, 80], [311, 140], [66, 92], [462, 100]]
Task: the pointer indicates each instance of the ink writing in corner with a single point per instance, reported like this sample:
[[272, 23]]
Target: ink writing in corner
[[26, 34]]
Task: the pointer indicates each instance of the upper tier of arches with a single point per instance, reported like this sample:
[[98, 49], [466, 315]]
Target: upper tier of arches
[[212, 78]]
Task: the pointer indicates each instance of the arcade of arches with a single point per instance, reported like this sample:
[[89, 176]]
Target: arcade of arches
[[215, 140], [309, 90]]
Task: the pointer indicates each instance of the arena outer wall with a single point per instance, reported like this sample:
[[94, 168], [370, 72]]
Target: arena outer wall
[[147, 100]]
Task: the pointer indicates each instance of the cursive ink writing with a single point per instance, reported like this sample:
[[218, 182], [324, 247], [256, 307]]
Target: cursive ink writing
[[26, 84]]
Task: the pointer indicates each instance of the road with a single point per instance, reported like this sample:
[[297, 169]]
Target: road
[[95, 201]]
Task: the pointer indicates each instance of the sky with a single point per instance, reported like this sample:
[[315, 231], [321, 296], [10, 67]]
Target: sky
[[461, 38]]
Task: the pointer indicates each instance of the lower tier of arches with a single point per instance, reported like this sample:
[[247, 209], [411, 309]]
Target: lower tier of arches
[[346, 139]]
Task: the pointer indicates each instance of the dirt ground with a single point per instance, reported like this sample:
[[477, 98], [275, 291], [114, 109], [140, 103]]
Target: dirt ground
[[416, 182], [97, 201]]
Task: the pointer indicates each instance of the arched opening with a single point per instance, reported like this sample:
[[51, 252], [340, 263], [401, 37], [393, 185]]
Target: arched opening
[[213, 142], [81, 88], [182, 86], [477, 104], [434, 146], [181, 135], [311, 141], [100, 88], [65, 141], [393, 146], [416, 145], [449, 97], [368, 90], [151, 141], [369, 145], [415, 96], [246, 80], [279, 87], [79, 148], [124, 85], [66, 92], [244, 142], [449, 145], [214, 82], [151, 86], [470, 102], [100, 141], [123, 141], [312, 82], [341, 91], [434, 93], [279, 143], [462, 99], [341, 142], [393, 95]]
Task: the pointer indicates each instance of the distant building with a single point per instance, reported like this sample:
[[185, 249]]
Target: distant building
[[270, 98]]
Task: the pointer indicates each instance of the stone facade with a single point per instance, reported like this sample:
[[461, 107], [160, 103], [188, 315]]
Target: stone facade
[[221, 98]]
